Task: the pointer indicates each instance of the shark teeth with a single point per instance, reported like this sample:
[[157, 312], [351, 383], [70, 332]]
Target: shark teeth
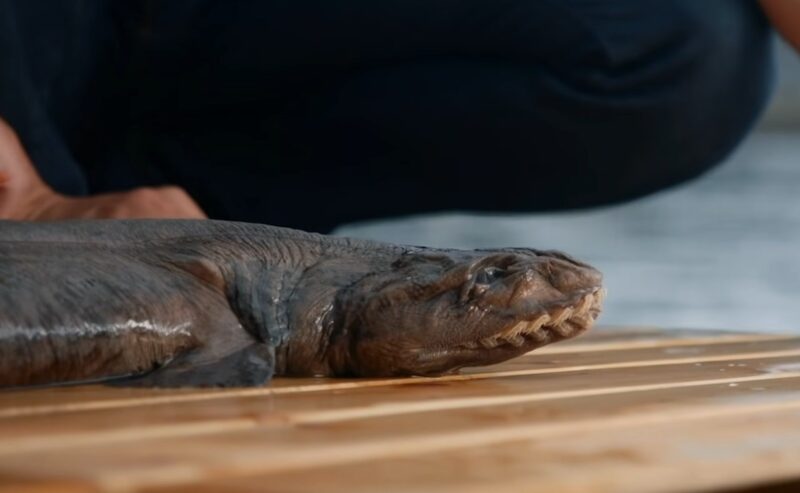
[[563, 322], [516, 341], [490, 342]]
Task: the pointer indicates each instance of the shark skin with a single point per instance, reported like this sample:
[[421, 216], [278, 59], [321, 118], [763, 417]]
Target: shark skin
[[173, 303]]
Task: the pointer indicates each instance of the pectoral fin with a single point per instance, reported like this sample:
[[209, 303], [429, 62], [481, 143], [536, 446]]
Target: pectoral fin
[[248, 367]]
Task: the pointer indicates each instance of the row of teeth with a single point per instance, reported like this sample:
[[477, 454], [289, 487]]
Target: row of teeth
[[567, 321]]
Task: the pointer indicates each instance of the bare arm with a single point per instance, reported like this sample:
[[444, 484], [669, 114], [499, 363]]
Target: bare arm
[[25, 196], [785, 16]]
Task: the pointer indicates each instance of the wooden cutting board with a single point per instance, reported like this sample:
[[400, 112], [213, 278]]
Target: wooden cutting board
[[619, 410]]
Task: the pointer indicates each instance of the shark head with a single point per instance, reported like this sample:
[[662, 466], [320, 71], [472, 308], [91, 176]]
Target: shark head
[[428, 311]]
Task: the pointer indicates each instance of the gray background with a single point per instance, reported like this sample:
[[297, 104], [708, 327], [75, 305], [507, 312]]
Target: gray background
[[720, 252]]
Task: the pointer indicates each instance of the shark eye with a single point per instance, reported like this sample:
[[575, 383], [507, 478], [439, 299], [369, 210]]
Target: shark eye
[[488, 275]]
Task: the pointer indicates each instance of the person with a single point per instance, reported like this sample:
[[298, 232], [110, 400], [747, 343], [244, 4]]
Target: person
[[312, 113]]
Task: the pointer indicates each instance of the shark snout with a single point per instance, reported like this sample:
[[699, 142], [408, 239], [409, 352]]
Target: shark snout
[[570, 277]]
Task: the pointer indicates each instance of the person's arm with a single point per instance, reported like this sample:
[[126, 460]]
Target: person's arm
[[25, 196], [39, 193], [21, 107], [785, 16]]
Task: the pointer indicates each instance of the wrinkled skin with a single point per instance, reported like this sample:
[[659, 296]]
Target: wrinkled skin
[[208, 303]]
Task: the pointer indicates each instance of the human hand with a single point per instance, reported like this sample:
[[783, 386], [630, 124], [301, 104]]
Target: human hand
[[785, 17], [25, 196]]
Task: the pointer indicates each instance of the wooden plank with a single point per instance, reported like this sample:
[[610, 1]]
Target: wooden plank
[[639, 356], [613, 333], [648, 454], [531, 364], [41, 432], [78, 399], [696, 389], [577, 345], [277, 451], [311, 443], [12, 484]]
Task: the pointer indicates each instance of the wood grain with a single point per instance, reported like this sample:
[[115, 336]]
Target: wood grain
[[624, 410]]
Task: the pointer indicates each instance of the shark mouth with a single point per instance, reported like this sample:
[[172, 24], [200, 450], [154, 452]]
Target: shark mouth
[[549, 326]]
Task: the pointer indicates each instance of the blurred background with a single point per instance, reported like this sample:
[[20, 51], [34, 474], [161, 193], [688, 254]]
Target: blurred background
[[721, 252]]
